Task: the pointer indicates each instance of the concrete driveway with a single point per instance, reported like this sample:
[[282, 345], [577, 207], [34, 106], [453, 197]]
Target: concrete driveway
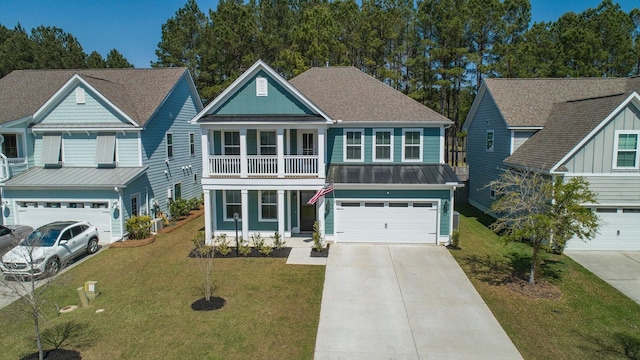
[[621, 269], [404, 302]]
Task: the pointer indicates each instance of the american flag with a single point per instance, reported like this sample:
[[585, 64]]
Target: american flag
[[322, 192]]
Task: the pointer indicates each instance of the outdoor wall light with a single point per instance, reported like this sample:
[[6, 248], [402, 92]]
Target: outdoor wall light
[[115, 204], [445, 206]]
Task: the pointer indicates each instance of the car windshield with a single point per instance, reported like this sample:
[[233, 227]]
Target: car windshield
[[44, 236]]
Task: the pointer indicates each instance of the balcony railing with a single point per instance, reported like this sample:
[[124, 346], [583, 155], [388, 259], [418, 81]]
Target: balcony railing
[[264, 166]]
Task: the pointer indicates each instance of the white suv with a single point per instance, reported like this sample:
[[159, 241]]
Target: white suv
[[48, 248]]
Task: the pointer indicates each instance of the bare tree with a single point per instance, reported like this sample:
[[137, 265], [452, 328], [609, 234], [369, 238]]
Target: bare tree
[[205, 254], [535, 208]]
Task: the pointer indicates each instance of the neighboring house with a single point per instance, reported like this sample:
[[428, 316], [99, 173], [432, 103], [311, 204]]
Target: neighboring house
[[269, 145], [97, 145], [565, 127]]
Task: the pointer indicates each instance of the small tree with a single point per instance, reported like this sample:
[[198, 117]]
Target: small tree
[[205, 254], [534, 208]]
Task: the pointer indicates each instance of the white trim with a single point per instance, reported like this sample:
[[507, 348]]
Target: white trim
[[260, 217], [244, 78], [614, 164], [396, 124], [345, 145], [442, 140], [166, 143], [420, 150], [611, 174], [486, 140], [43, 129], [525, 128], [374, 145], [140, 149], [229, 217], [603, 123]]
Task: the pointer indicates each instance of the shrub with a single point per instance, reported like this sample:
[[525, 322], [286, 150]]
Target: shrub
[[138, 227], [260, 245], [243, 247], [194, 203], [318, 243], [278, 241], [179, 208], [455, 239], [222, 245]]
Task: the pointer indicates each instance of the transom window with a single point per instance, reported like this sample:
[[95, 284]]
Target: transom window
[[268, 205], [383, 147], [353, 143], [232, 143], [232, 203], [169, 146], [268, 143], [489, 143], [412, 145], [626, 154]]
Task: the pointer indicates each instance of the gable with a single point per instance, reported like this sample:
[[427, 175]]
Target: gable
[[80, 105], [247, 101]]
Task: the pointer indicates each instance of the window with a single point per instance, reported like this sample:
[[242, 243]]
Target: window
[[489, 144], [412, 145], [492, 193], [382, 145], [192, 144], [169, 145], [52, 205], [135, 204], [626, 153], [10, 145], [232, 203], [268, 143], [177, 191], [268, 205], [76, 205], [353, 142], [232, 143]]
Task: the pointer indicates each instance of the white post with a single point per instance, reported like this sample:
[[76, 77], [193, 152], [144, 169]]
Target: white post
[[207, 216], [288, 207], [245, 214], [321, 153], [321, 205], [243, 155], [280, 151], [205, 144], [281, 206]]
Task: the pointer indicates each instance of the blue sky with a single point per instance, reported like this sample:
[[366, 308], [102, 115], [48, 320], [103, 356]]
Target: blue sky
[[134, 26]]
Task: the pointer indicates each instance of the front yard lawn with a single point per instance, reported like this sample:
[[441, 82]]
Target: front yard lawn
[[271, 311], [589, 320]]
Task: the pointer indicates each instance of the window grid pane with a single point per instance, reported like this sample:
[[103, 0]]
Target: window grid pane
[[354, 152]]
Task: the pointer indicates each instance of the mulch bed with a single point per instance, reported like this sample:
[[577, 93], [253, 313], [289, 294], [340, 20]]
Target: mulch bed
[[322, 253], [276, 253], [540, 290], [172, 226], [214, 303]]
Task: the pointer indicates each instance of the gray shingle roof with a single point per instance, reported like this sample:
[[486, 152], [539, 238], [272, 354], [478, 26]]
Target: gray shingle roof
[[391, 174], [137, 92], [348, 94], [528, 102], [75, 177], [568, 123]]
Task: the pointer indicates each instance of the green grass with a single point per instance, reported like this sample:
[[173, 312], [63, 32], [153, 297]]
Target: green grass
[[271, 312], [591, 320]]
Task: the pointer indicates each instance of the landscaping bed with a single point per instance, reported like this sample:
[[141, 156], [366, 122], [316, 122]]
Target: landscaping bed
[[569, 314]]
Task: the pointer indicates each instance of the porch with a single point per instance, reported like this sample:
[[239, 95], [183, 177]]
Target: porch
[[264, 166]]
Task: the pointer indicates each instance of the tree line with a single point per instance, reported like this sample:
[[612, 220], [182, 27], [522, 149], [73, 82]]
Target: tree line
[[49, 47], [435, 51]]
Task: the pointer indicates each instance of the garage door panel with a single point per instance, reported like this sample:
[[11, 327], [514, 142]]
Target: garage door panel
[[619, 230], [36, 217], [394, 222]]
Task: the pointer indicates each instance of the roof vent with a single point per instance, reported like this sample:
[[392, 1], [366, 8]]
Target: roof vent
[[79, 95], [261, 86]]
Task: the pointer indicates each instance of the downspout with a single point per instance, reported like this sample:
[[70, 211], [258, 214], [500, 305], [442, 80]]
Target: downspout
[[119, 208]]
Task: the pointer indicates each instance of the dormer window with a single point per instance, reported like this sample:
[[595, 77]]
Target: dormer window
[[262, 87]]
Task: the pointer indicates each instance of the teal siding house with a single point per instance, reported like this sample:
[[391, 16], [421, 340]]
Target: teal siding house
[[100, 145], [269, 145], [569, 127]]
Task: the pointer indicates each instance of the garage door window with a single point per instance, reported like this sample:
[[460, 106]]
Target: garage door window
[[350, 204], [374, 204], [422, 205], [631, 211], [396, 205]]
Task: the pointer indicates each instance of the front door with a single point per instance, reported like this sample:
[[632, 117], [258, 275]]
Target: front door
[[308, 213], [307, 143]]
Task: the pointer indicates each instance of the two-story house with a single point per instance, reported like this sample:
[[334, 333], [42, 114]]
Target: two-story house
[[269, 145], [566, 127], [100, 145]]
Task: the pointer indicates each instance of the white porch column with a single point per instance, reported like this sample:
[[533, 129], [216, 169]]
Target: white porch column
[[245, 214], [280, 151], [321, 205], [288, 207], [281, 206], [204, 143], [321, 153], [207, 217], [244, 168]]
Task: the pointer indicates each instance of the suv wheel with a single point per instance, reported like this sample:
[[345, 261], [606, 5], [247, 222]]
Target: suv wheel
[[92, 247], [52, 267]]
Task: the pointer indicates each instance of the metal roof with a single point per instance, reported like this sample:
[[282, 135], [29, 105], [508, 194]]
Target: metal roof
[[436, 174], [75, 177]]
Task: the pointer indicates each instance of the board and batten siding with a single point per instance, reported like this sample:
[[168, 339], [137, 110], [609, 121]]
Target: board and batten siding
[[93, 110], [173, 117], [597, 155], [484, 165], [277, 101]]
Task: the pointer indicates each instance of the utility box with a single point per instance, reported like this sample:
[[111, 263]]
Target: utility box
[[456, 220], [91, 289]]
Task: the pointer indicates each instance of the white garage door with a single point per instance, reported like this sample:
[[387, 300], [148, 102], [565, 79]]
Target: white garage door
[[383, 221], [620, 230], [95, 213]]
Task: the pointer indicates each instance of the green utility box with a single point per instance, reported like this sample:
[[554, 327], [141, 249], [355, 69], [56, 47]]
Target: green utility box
[[91, 289]]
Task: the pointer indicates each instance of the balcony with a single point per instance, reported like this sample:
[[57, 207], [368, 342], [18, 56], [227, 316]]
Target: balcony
[[263, 166]]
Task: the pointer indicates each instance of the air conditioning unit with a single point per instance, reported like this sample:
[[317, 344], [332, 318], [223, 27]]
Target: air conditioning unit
[[156, 225]]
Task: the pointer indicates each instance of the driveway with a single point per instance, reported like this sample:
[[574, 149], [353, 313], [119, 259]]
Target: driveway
[[621, 269], [404, 302]]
